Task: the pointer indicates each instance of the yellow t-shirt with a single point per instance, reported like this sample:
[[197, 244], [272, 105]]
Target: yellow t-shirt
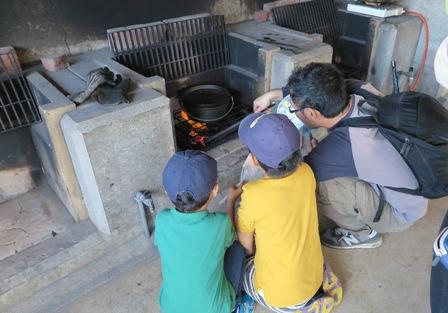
[[283, 215]]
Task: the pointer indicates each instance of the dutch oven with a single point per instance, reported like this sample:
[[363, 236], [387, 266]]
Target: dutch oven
[[206, 103]]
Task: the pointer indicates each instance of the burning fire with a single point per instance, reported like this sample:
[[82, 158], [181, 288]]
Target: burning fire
[[196, 127], [194, 124]]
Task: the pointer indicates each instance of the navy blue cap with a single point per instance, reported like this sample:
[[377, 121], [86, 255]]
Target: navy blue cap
[[190, 171], [272, 138]]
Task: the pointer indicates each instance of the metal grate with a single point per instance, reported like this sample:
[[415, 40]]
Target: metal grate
[[191, 134], [172, 49], [317, 16], [17, 105]]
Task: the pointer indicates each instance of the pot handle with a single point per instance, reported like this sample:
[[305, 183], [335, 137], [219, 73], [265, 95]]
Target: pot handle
[[232, 104]]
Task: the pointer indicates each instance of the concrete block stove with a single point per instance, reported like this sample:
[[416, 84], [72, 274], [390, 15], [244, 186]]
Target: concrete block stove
[[197, 50]]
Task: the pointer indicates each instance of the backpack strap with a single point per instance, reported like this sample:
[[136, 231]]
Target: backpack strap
[[381, 204], [415, 192], [363, 122], [354, 87]]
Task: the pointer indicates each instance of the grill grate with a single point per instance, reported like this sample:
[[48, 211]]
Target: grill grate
[[317, 16], [17, 105], [172, 49], [191, 134]]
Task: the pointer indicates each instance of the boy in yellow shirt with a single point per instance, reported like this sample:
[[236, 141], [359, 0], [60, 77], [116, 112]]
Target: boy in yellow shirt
[[278, 216]]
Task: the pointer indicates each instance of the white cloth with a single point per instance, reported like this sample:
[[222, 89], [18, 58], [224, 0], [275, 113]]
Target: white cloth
[[283, 108], [441, 64]]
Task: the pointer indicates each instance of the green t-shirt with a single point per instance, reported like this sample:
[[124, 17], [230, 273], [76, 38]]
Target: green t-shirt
[[192, 247]]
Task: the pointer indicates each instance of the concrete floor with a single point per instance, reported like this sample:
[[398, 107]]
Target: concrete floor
[[392, 278], [31, 218]]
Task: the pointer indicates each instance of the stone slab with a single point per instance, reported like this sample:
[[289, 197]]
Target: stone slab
[[20, 262], [30, 219], [68, 278]]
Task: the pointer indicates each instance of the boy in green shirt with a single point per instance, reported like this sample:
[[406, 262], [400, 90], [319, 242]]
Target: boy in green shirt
[[198, 274]]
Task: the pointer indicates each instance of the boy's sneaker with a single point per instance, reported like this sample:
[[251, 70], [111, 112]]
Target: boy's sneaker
[[246, 305], [341, 238]]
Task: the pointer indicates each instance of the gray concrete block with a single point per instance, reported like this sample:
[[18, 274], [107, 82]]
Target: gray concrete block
[[293, 49], [50, 144], [262, 58], [285, 62], [396, 38], [118, 151]]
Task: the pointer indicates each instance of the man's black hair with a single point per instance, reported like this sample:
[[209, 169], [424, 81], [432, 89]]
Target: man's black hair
[[285, 168], [187, 204], [319, 86]]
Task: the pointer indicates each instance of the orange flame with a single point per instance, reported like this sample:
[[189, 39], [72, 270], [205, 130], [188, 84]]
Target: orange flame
[[194, 124], [196, 128]]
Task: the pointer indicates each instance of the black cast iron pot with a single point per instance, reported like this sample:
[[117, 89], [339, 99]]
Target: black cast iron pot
[[207, 103]]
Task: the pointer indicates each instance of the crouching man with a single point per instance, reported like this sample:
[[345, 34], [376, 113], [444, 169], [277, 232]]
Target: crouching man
[[352, 165]]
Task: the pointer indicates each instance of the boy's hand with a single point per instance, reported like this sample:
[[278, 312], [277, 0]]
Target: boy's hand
[[234, 192]]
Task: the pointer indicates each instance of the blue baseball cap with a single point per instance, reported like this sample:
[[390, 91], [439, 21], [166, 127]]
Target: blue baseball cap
[[272, 138], [190, 171]]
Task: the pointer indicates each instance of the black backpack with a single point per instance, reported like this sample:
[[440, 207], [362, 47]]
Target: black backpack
[[417, 126]]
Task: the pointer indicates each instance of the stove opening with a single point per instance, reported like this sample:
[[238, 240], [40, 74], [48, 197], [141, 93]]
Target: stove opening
[[192, 51]]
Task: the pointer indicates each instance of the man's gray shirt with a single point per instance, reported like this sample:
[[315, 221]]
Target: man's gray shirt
[[365, 154]]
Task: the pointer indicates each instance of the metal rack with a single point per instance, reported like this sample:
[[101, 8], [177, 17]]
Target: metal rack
[[17, 105], [311, 17], [172, 49]]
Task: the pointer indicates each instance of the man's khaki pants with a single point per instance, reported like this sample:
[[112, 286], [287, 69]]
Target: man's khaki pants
[[352, 204]]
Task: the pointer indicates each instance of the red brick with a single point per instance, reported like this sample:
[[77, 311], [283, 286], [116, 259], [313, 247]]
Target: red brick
[[55, 62], [261, 16], [9, 60]]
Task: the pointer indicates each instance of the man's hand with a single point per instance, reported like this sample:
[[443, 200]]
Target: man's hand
[[261, 104]]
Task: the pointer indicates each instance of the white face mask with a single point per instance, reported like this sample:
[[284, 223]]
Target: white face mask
[[283, 108]]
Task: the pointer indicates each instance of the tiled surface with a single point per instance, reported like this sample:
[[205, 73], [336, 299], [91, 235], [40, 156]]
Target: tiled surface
[[30, 219], [392, 278]]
